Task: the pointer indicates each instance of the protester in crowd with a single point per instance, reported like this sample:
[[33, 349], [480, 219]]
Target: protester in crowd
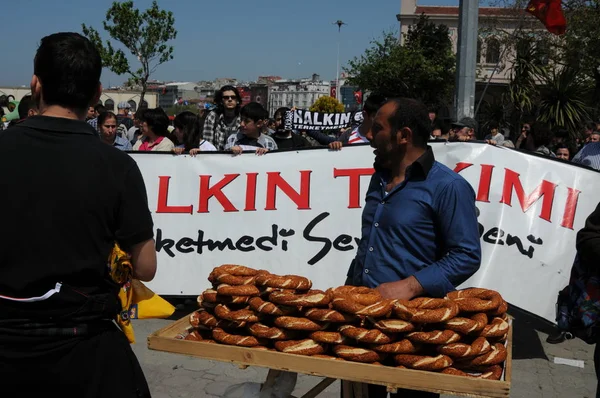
[[27, 107], [436, 130], [525, 128], [224, 120], [589, 155], [98, 109], [588, 129], [107, 127], [250, 137], [57, 300], [155, 123], [595, 136], [133, 134], [91, 113], [412, 195], [286, 139], [563, 152], [465, 129], [188, 130], [495, 134], [123, 118], [539, 139]]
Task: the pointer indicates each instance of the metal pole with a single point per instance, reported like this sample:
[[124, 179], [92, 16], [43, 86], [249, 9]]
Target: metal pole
[[337, 76], [466, 61]]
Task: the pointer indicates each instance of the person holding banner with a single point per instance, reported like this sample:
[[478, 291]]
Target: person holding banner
[[419, 225]]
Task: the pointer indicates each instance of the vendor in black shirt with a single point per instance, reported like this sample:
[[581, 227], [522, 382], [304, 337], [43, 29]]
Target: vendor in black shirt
[[286, 139], [67, 198]]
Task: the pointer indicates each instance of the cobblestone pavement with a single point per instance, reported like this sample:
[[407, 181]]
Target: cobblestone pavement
[[534, 372]]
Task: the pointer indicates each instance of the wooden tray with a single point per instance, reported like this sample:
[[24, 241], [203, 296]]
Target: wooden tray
[[394, 378]]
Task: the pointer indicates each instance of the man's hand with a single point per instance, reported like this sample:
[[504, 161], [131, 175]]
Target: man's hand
[[261, 151], [404, 289], [194, 151], [237, 150], [335, 145], [178, 151]]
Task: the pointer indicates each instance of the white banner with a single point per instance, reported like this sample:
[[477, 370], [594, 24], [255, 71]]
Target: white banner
[[300, 213]]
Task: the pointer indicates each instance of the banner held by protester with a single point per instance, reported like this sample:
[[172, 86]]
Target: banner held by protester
[[302, 119], [300, 213]]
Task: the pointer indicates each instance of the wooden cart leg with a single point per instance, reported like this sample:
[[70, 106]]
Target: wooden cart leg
[[271, 376], [361, 390], [346, 389], [316, 390]]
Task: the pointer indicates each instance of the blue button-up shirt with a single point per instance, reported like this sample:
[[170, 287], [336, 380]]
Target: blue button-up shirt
[[424, 227], [122, 143]]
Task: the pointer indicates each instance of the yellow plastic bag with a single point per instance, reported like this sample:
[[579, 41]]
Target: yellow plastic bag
[[137, 301]]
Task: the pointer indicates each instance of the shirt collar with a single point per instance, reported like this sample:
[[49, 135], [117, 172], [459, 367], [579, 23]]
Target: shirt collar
[[58, 124], [423, 164]]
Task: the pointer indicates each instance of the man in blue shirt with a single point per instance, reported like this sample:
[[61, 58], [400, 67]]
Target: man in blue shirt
[[419, 225]]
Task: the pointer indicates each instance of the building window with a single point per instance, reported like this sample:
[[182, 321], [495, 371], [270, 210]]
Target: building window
[[109, 105], [492, 51], [478, 51], [132, 104]]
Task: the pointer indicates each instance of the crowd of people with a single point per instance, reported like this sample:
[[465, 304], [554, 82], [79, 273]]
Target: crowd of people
[[229, 126]]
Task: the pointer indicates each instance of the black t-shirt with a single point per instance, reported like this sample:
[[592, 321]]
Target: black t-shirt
[[295, 141], [66, 197]]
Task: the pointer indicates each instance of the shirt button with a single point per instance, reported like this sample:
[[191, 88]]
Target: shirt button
[[382, 202], [366, 271], [376, 224], [371, 248]]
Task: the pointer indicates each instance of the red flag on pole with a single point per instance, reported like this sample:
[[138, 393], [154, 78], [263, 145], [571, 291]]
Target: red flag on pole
[[550, 13], [358, 97]]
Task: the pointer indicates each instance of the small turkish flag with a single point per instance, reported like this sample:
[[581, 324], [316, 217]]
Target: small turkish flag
[[550, 13], [358, 97]]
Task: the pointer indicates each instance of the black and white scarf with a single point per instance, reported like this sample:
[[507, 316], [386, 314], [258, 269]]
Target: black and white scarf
[[302, 119]]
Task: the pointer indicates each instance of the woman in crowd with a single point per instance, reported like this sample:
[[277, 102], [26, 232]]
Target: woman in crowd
[[225, 119], [107, 127], [188, 130], [155, 124]]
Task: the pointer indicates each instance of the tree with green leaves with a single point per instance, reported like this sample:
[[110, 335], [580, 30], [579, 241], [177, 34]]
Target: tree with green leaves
[[145, 34], [422, 68], [327, 104]]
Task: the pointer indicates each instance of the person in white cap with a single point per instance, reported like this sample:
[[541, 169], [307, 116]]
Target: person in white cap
[[123, 115]]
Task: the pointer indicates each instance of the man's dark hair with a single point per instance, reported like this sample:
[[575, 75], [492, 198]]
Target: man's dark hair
[[69, 68], [100, 108], [281, 111], [104, 116], [25, 105], [590, 126], [219, 99], [373, 103], [254, 111], [414, 115], [157, 120]]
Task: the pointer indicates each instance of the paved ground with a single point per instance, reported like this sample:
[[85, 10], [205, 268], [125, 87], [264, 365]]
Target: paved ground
[[534, 372]]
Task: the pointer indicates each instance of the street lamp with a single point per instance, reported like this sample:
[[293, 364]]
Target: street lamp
[[339, 24]]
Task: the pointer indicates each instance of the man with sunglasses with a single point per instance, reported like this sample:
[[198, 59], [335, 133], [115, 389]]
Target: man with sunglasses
[[224, 120], [465, 129]]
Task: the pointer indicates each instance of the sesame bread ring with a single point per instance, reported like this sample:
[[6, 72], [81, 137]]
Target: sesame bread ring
[[265, 307], [211, 296], [494, 357], [271, 333], [234, 280], [498, 327], [284, 281], [357, 354], [373, 336], [311, 298], [460, 350], [329, 337], [294, 323], [300, 347], [473, 324], [232, 269], [328, 315], [426, 310], [206, 319], [476, 299], [404, 346], [194, 335], [394, 325], [224, 312], [360, 294], [244, 290], [234, 339], [493, 372], [501, 310], [421, 362], [434, 337], [349, 304]]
